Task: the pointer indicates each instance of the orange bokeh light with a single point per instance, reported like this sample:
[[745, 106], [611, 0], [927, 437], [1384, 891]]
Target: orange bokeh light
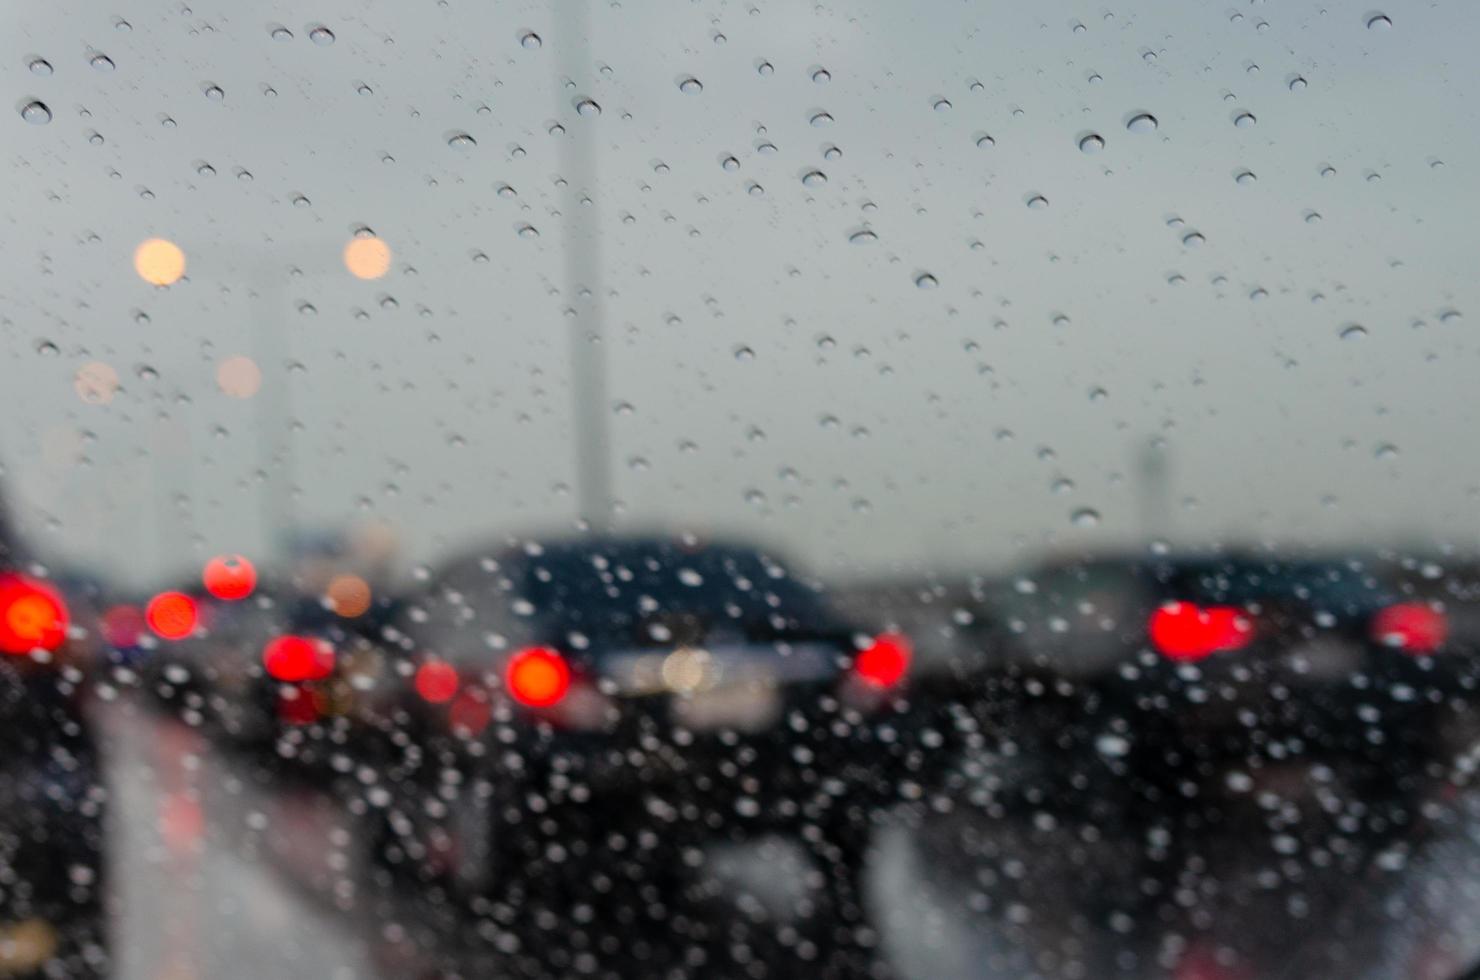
[[159, 262], [95, 383], [367, 257], [348, 595], [239, 376]]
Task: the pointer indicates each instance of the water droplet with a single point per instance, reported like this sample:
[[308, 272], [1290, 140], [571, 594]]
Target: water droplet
[[1193, 239], [765, 68], [528, 231], [587, 107], [984, 141], [101, 62], [744, 354], [1037, 202], [461, 141], [281, 33], [1379, 22], [46, 348], [1244, 119], [205, 170], [766, 148], [1328, 171], [863, 237], [690, 86], [820, 119], [1063, 485], [36, 113], [1386, 451], [822, 76], [730, 164], [1141, 122], [1245, 177], [814, 178], [1450, 316], [321, 35], [556, 129], [754, 189], [1085, 517], [1095, 78], [215, 93], [926, 281], [505, 191], [1298, 83], [1353, 331], [1093, 143], [942, 105], [720, 38], [122, 25], [830, 152], [1312, 217], [40, 66], [1258, 293], [95, 138], [529, 40]]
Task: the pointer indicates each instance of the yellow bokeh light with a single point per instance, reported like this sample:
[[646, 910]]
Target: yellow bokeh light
[[95, 383], [367, 257], [348, 595], [239, 376], [159, 261]]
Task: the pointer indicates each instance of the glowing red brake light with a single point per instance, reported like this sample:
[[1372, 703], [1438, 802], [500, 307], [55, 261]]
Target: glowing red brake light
[[436, 681], [1186, 631], [537, 677], [1411, 626], [884, 662], [293, 659], [32, 615], [172, 615]]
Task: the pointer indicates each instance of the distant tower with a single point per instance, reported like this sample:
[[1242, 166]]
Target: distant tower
[[1155, 490]]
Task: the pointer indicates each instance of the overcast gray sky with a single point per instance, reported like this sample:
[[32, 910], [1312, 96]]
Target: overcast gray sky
[[766, 375]]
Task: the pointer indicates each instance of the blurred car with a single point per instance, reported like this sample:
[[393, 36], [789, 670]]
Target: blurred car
[[51, 794], [1181, 677], [568, 690]]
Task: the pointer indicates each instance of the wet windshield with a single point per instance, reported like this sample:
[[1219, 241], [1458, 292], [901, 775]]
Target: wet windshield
[[739, 490]]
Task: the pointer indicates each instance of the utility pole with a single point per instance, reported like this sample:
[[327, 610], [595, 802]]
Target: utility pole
[[581, 223]]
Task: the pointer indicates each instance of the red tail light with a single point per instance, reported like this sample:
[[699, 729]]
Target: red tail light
[[436, 681], [1411, 627], [885, 661], [1186, 631], [172, 615], [537, 677], [32, 615], [293, 659]]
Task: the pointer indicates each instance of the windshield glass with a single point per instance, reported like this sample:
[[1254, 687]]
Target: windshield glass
[[739, 490]]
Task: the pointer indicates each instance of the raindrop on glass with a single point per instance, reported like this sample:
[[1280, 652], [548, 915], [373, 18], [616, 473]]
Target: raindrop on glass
[[321, 35], [1245, 177], [863, 237], [1353, 331], [814, 178], [215, 93], [1386, 451], [281, 33], [530, 40], [1244, 120], [926, 281], [1141, 122], [822, 76], [730, 164], [40, 66], [984, 141], [1379, 22], [1085, 517], [101, 62], [1193, 239], [941, 105], [821, 119], [587, 107], [765, 68], [36, 113], [528, 231], [831, 152], [1037, 202], [1298, 83], [461, 141], [691, 86], [1093, 143]]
